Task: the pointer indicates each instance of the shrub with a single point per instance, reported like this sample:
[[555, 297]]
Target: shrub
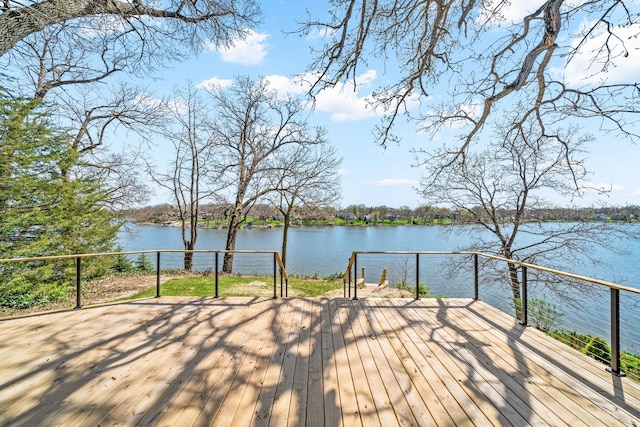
[[335, 277], [598, 349], [540, 313], [143, 263], [122, 264]]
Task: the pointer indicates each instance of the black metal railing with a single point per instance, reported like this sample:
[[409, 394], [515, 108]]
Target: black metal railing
[[614, 290], [277, 266]]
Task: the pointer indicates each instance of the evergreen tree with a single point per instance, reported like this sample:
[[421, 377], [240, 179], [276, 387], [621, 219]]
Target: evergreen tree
[[45, 209], [122, 263], [143, 263]]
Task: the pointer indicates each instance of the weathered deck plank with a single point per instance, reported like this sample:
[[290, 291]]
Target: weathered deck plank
[[243, 361]]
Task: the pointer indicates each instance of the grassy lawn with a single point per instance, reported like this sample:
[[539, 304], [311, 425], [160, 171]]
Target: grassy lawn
[[239, 286]]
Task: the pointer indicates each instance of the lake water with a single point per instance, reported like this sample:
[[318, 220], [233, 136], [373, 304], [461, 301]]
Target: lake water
[[326, 250]]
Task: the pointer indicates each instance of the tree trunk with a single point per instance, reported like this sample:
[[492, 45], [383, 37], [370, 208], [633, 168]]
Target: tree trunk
[[189, 243], [285, 234], [232, 234], [188, 256], [514, 281], [16, 25]]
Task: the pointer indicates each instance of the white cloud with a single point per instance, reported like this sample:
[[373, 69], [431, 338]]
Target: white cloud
[[248, 50], [583, 69], [145, 100], [285, 85], [395, 182], [497, 11], [624, 66], [455, 119], [214, 82], [344, 101], [102, 25], [344, 105], [320, 33]]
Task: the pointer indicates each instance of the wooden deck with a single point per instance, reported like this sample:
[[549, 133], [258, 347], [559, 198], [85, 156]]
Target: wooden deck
[[241, 361]]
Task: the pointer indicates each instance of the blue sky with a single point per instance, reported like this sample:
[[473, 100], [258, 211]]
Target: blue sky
[[370, 174]]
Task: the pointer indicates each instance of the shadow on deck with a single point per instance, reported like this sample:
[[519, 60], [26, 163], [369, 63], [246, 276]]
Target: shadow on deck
[[249, 361]]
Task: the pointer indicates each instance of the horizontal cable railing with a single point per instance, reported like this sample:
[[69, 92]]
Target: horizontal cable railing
[[576, 318], [157, 261]]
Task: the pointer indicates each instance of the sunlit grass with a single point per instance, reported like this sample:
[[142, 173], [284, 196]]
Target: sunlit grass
[[204, 286]]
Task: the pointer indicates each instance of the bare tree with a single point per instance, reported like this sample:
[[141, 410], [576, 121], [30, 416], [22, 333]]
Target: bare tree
[[253, 126], [307, 177], [68, 54], [145, 26], [65, 56], [494, 191], [91, 116], [189, 175], [490, 64], [66, 70]]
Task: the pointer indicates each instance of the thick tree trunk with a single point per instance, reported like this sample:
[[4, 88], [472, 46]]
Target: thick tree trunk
[[514, 281], [232, 234], [188, 256], [17, 24], [285, 235]]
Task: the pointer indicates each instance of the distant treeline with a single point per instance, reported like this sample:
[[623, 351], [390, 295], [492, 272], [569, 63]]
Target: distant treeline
[[215, 215]]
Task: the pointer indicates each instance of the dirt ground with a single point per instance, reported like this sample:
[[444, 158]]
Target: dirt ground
[[372, 291]]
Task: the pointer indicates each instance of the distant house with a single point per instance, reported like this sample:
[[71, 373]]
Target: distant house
[[393, 216], [348, 216], [599, 217]]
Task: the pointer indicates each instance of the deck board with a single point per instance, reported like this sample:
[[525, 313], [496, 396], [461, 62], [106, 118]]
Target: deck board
[[582, 379], [439, 355], [249, 361], [315, 396], [551, 397], [523, 395], [345, 381], [390, 368], [368, 356]]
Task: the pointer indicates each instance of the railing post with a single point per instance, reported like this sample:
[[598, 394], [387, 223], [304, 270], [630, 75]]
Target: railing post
[[158, 294], [275, 281], [523, 298], [615, 333], [475, 277], [78, 282], [355, 271], [348, 286], [417, 276], [217, 295]]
